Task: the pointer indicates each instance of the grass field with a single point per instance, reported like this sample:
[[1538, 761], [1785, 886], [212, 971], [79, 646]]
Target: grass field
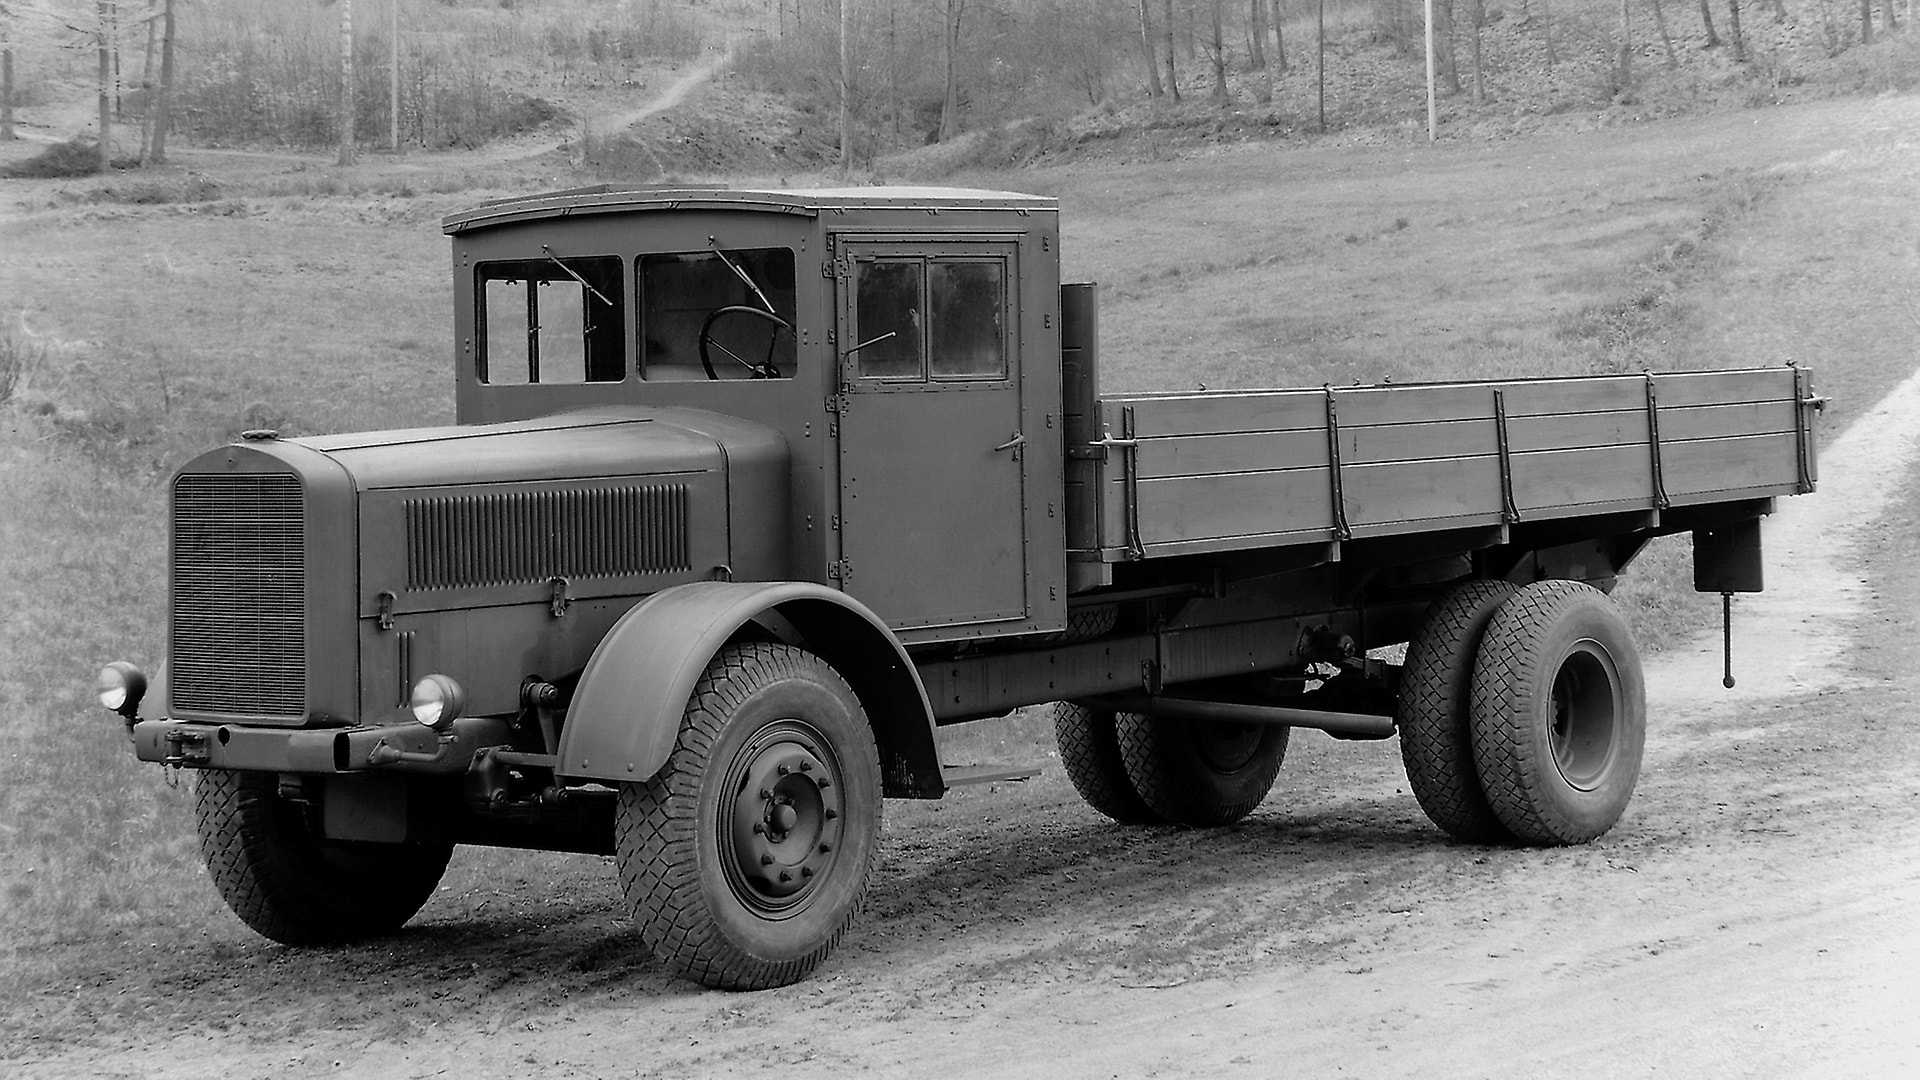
[[152, 332]]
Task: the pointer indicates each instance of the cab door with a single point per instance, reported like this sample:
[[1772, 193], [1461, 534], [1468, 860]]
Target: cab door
[[932, 455]]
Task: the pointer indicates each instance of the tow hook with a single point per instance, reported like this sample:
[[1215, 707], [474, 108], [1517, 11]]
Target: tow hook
[[185, 748]]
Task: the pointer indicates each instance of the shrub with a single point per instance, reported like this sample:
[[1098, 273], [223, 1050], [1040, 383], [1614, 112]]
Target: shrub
[[78, 156], [18, 359]]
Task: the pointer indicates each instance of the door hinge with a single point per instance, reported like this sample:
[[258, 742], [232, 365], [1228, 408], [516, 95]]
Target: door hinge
[[837, 404], [841, 570]]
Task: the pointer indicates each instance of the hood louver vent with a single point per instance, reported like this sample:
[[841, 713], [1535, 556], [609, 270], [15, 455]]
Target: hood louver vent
[[465, 541]]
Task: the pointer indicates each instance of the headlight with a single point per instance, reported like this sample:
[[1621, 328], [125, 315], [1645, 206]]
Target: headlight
[[437, 701], [120, 688]]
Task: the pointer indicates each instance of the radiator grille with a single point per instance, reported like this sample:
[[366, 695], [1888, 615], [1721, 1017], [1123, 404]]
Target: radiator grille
[[239, 595], [462, 541]]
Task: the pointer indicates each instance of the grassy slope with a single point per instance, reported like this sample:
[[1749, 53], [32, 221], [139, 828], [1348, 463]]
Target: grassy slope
[[169, 328]]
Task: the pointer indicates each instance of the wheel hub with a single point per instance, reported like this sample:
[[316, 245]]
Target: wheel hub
[[785, 817], [1586, 713]]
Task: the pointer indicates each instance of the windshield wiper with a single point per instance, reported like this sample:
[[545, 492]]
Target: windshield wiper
[[584, 283], [742, 275]]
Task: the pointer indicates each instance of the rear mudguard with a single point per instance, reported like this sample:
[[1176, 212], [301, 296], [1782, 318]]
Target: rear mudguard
[[627, 707]]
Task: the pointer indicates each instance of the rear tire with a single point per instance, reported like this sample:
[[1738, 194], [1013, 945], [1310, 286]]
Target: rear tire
[[1200, 772], [748, 856], [1559, 713], [294, 887], [1435, 712], [1090, 752]]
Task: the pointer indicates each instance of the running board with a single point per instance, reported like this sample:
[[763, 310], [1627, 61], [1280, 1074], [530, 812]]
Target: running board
[[1362, 725], [963, 775]]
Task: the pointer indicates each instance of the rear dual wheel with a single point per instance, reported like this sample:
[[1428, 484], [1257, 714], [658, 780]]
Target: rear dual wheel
[[1139, 769], [1522, 713]]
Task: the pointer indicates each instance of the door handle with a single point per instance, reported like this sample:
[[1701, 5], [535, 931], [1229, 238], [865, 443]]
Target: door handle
[[1014, 443]]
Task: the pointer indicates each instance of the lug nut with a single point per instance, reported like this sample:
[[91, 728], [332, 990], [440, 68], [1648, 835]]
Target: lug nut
[[806, 871], [765, 794], [806, 766], [830, 813], [784, 876], [759, 829], [824, 846], [825, 783], [783, 769], [766, 860]]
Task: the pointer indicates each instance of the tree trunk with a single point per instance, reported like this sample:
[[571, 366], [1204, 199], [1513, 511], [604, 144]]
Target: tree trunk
[[146, 80], [106, 86], [1217, 49], [1780, 10], [1624, 76], [950, 103], [1666, 39], [1443, 34], [393, 77], [346, 82], [162, 107], [1866, 22], [6, 94], [1173, 81], [846, 89], [1733, 31], [1257, 35], [1279, 37], [1706, 20], [1320, 61], [1479, 14], [1154, 89], [1546, 31]]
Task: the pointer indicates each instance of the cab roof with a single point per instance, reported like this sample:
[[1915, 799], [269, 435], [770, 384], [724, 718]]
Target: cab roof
[[811, 202]]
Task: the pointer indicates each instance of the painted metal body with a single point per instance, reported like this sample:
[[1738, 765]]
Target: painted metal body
[[897, 457]]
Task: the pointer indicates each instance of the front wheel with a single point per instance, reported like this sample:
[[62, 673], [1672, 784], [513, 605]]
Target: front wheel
[[1200, 772], [748, 855], [1559, 713], [291, 885]]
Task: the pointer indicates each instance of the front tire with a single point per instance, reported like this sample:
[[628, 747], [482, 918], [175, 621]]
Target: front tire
[[748, 856], [294, 887], [1200, 772], [1559, 713]]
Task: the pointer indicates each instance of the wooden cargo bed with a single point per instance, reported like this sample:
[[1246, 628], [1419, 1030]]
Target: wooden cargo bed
[[1194, 472]]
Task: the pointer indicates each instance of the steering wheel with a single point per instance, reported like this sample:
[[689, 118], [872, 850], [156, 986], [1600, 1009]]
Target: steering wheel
[[762, 370]]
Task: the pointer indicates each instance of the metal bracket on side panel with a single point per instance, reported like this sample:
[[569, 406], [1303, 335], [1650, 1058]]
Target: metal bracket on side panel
[[1130, 470], [1341, 530], [1802, 425], [560, 601], [1509, 512], [1653, 442]]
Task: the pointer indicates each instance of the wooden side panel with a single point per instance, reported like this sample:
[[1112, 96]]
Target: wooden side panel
[[1225, 470]]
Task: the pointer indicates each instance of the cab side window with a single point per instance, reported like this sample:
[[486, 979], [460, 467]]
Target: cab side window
[[938, 318], [546, 321]]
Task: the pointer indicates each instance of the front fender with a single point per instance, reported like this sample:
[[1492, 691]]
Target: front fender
[[626, 709]]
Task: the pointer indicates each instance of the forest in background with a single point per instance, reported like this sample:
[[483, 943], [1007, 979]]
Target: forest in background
[[872, 78]]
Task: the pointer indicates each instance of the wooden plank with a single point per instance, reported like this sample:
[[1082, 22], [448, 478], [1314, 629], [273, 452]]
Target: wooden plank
[[1555, 478], [1562, 397], [1723, 387], [1218, 413], [1235, 504], [1416, 442], [1723, 464], [1531, 433], [1721, 421], [1442, 488], [1369, 405], [1196, 455]]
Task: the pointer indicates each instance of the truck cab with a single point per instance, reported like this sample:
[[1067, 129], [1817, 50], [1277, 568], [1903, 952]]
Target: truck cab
[[898, 341]]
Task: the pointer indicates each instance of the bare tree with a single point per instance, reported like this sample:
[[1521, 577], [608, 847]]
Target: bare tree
[[1443, 44], [1866, 22], [103, 39], [346, 82], [7, 133], [950, 102], [1623, 77], [1154, 88], [1546, 31], [1279, 37], [1478, 13], [1216, 46], [1706, 19], [1173, 82], [161, 105], [846, 89], [1733, 29]]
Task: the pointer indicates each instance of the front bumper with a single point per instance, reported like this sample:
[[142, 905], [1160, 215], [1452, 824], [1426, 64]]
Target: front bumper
[[395, 748]]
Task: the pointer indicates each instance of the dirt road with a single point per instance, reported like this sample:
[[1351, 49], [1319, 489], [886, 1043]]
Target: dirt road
[[1753, 915]]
